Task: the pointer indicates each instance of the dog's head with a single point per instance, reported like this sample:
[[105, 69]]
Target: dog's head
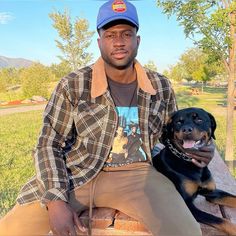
[[189, 128]]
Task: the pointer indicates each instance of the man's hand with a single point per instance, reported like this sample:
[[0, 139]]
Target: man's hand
[[63, 219], [201, 157]]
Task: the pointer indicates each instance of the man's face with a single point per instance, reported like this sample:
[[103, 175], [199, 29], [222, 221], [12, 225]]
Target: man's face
[[119, 45], [134, 129], [119, 131]]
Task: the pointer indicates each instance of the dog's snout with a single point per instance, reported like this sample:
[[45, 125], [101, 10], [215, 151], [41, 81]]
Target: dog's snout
[[187, 129]]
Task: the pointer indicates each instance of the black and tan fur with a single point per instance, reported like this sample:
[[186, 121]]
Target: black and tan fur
[[192, 128]]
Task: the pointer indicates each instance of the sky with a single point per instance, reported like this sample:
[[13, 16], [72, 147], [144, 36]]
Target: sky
[[26, 30]]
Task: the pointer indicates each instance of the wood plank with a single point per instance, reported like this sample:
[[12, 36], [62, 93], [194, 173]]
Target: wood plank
[[114, 232], [211, 208], [210, 231], [101, 218], [225, 181], [220, 172], [124, 222]]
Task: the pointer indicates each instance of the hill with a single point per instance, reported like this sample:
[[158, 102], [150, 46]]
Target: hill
[[14, 62]]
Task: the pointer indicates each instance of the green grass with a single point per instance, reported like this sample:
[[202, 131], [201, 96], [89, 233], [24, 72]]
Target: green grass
[[18, 137], [19, 134]]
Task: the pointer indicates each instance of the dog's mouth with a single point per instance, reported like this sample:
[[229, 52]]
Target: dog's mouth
[[196, 141], [193, 144]]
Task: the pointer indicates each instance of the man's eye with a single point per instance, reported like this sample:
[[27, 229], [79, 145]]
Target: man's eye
[[127, 35], [109, 36]]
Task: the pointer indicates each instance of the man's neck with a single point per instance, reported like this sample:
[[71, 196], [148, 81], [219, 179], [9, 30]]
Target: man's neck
[[125, 76]]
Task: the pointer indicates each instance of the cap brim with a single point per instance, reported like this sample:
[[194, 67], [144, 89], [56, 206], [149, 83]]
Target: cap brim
[[101, 25]]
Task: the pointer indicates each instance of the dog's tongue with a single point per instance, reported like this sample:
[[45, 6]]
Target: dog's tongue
[[188, 143]]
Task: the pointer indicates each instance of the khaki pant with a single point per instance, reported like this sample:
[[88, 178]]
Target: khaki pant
[[137, 190]]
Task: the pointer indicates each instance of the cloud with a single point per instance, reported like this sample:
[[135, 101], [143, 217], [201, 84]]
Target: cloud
[[5, 17]]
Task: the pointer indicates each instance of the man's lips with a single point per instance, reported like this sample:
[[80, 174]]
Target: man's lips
[[119, 54]]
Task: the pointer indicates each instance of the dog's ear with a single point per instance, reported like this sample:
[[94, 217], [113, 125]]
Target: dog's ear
[[213, 125], [167, 130], [164, 134]]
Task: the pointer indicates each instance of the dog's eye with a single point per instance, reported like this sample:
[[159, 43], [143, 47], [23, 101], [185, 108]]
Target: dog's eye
[[179, 122], [198, 120]]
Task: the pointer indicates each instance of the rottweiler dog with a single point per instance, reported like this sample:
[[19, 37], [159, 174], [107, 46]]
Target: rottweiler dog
[[187, 129]]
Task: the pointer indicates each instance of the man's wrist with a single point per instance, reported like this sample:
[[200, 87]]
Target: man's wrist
[[54, 203]]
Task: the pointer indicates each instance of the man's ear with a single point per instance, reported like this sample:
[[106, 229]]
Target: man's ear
[[98, 41], [138, 40], [213, 125]]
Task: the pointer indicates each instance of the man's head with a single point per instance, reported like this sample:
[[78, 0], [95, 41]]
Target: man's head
[[117, 25]]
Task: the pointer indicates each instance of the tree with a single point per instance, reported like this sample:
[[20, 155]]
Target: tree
[[151, 65], [198, 66], [8, 77], [195, 65], [177, 72], [35, 80], [75, 39], [211, 25], [60, 70], [9, 80]]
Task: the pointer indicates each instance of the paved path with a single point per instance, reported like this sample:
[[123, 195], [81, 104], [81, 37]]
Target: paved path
[[6, 111]]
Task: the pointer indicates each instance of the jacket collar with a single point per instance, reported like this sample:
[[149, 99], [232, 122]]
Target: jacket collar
[[99, 79]]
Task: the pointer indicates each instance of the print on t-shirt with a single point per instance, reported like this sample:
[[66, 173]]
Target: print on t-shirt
[[127, 143]]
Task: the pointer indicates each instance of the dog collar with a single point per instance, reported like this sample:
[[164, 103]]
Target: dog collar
[[177, 153]]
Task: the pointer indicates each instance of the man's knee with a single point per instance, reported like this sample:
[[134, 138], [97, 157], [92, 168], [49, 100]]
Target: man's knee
[[29, 219]]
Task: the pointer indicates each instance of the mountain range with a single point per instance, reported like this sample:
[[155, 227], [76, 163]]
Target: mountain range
[[14, 62]]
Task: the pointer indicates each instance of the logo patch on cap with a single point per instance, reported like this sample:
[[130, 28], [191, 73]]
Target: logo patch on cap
[[119, 6]]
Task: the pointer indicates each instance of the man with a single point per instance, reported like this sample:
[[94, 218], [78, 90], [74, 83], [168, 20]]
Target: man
[[134, 144], [80, 122], [119, 152]]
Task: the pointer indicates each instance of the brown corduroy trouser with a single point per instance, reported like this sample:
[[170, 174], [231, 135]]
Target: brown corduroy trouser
[[137, 190]]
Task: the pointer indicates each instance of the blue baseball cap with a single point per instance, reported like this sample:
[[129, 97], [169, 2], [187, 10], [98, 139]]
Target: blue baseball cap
[[114, 10]]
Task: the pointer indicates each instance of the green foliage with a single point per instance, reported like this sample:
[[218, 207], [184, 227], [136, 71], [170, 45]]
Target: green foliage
[[151, 65], [208, 21], [75, 39], [60, 70], [9, 77], [19, 133], [35, 80], [195, 65]]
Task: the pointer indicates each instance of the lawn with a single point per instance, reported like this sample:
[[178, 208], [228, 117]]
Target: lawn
[[18, 137], [19, 134]]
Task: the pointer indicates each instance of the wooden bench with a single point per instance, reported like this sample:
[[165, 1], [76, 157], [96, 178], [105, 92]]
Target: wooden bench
[[106, 221], [194, 91]]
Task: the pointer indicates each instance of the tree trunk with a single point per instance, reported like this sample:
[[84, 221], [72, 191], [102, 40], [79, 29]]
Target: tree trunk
[[229, 152]]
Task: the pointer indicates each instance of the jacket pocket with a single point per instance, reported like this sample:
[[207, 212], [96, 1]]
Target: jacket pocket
[[90, 119]]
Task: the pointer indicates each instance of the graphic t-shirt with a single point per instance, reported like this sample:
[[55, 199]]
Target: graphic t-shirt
[[127, 143]]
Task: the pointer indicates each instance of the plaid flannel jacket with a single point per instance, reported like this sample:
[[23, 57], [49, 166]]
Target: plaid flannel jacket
[[79, 127]]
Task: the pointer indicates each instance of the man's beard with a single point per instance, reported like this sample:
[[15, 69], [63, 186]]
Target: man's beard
[[126, 64]]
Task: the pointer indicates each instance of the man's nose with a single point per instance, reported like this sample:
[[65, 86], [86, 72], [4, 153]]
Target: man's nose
[[119, 40]]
